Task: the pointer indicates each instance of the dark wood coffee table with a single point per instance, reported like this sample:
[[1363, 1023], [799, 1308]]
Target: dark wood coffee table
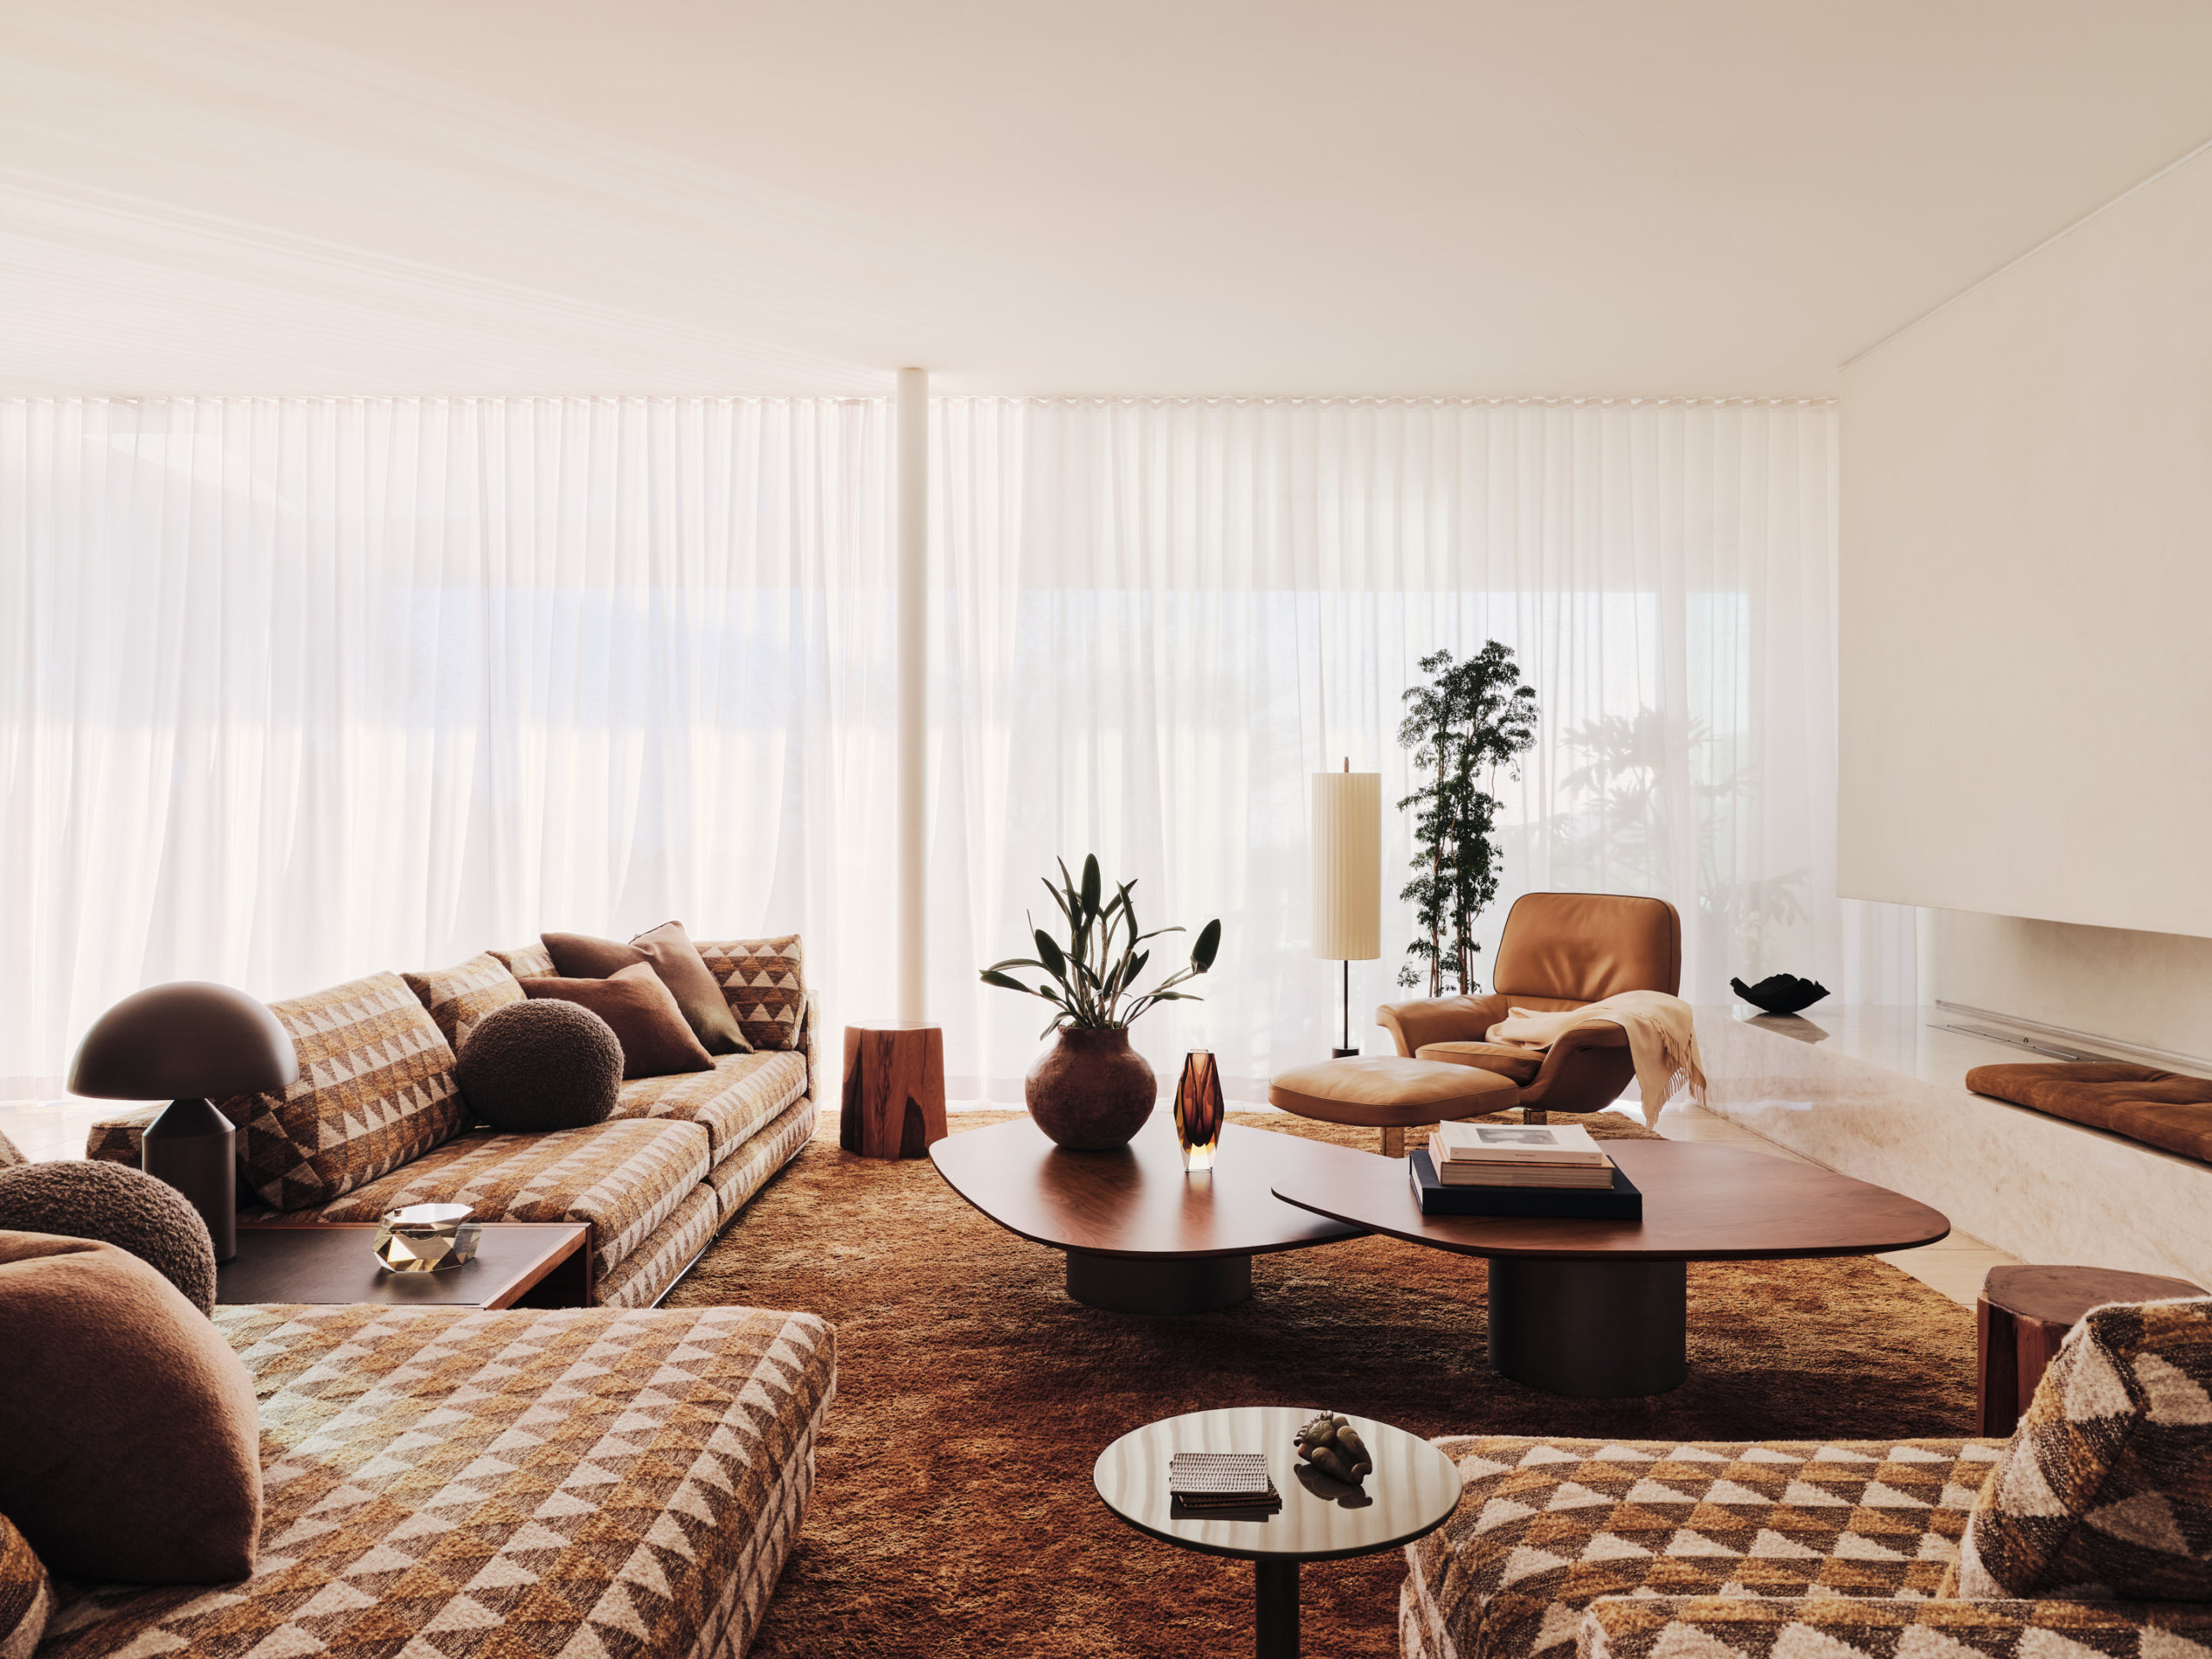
[[1413, 1490], [518, 1264], [1601, 1308], [1141, 1236]]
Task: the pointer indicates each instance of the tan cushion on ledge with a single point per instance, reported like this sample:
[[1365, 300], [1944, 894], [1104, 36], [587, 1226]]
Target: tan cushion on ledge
[[1521, 1065], [1381, 1091], [2160, 1108]]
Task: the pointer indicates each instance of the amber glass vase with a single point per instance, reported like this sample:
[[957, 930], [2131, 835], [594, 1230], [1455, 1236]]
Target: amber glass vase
[[1198, 1111]]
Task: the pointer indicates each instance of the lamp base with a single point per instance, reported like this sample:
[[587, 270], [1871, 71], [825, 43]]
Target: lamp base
[[194, 1148], [1343, 1053]]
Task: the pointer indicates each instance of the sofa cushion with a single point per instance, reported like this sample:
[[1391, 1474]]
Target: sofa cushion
[[740, 1094], [1518, 1064], [622, 1178], [655, 1038], [527, 961], [645, 1275], [443, 1482], [26, 1593], [540, 1064], [375, 1089], [668, 950], [766, 985], [120, 1137], [78, 1198], [736, 1178], [458, 997], [2164, 1110], [128, 1424], [1747, 1627], [1546, 1527], [2105, 1487]]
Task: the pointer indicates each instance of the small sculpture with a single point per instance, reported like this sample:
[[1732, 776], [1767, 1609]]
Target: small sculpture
[[1780, 993], [1332, 1445]]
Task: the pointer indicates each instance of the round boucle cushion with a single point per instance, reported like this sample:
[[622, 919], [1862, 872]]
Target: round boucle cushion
[[541, 1065], [118, 1205]]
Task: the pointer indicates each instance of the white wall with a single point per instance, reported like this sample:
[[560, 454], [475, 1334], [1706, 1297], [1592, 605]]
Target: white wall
[[2150, 988], [2026, 589]]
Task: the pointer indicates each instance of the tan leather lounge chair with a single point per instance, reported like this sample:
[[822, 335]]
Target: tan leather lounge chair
[[1559, 950]]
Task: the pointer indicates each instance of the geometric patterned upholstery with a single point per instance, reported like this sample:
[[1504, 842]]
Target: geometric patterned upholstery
[[2106, 1488], [623, 1178], [375, 1089], [1548, 1527], [737, 1178], [645, 1275], [458, 998], [764, 982], [26, 1594], [526, 961], [740, 1094], [448, 1484], [1711, 1627], [119, 1138]]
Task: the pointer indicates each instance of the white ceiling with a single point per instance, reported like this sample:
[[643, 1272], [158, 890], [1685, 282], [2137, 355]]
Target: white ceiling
[[1568, 197]]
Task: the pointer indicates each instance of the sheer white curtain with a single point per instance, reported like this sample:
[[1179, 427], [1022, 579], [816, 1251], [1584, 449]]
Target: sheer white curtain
[[1158, 618], [295, 689]]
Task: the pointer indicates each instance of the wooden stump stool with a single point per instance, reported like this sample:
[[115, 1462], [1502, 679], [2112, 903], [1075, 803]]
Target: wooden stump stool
[[2025, 1313], [894, 1091]]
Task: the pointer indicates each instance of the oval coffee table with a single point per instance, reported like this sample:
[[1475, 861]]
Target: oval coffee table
[[1601, 1308], [1413, 1490], [1141, 1236]]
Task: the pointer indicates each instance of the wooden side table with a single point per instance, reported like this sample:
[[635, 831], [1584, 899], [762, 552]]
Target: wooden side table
[[518, 1264], [893, 1103], [2022, 1316]]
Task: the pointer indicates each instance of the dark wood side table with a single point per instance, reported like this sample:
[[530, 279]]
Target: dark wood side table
[[893, 1104], [518, 1264], [1413, 1490], [2022, 1316]]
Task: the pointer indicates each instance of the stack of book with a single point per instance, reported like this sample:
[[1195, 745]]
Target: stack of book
[[1222, 1480], [1517, 1169]]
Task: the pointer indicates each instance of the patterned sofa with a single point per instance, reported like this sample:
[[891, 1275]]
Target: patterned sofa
[[2091, 1531], [441, 1484], [376, 1121]]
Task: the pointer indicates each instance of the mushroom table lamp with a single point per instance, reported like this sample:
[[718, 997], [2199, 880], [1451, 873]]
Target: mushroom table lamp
[[191, 1043]]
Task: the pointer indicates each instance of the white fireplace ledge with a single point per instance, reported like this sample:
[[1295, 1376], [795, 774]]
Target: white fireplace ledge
[[1880, 1094]]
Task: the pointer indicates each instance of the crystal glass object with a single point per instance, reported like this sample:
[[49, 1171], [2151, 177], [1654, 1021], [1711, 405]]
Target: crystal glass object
[[1198, 1111], [427, 1237]]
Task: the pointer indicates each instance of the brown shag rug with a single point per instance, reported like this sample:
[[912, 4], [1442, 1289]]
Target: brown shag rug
[[954, 1514]]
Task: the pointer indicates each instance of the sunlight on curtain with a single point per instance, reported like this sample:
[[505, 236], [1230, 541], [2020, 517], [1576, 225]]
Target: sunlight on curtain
[[1158, 618], [297, 690]]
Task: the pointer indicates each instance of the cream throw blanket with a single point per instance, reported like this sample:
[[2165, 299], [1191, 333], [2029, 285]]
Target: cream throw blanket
[[1661, 1040]]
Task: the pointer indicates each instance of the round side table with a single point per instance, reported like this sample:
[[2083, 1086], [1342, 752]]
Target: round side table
[[1412, 1491]]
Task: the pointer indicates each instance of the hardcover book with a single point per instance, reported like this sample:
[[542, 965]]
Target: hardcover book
[[1199, 1480], [1619, 1202], [1518, 1143]]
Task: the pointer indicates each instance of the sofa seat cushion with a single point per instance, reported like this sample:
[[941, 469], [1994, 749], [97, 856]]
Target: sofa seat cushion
[[1521, 1065], [1547, 1526], [731, 1102], [745, 1171], [441, 1482], [622, 1178], [645, 1275], [2164, 1110], [1859, 1627], [375, 1090]]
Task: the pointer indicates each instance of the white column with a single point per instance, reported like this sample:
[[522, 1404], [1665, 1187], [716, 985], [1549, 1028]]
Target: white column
[[912, 681]]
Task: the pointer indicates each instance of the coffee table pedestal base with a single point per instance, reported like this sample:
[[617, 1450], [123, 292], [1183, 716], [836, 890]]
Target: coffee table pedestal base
[[1590, 1327], [1274, 1593], [1122, 1284]]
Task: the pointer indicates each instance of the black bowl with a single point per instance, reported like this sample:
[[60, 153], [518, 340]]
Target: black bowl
[[1780, 993]]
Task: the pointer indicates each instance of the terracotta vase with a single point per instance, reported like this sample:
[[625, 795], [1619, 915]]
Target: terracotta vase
[[1090, 1091]]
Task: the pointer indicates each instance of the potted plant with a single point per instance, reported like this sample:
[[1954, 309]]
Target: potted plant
[[1090, 1091]]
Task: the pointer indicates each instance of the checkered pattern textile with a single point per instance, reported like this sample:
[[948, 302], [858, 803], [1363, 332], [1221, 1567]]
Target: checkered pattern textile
[[375, 1089], [1715, 1627], [738, 1176], [1547, 1526], [527, 962], [623, 1178], [444, 1484], [743, 1093], [26, 1594], [650, 1271], [458, 998], [765, 985], [2106, 1488]]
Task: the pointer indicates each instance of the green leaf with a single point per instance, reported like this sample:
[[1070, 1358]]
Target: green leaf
[[1090, 884], [1014, 962], [1048, 949], [1202, 953], [992, 976]]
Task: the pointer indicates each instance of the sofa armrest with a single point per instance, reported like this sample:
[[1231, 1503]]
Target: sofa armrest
[[1439, 1020], [809, 1042], [118, 1138], [1642, 1627]]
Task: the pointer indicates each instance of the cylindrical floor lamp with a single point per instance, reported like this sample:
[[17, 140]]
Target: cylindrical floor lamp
[[1347, 874]]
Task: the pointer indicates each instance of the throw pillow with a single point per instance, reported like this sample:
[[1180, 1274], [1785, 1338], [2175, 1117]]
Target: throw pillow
[[457, 998], [375, 1090], [543, 1064], [127, 1208], [26, 1593], [765, 983], [2106, 1488], [677, 964], [134, 1441], [655, 1038]]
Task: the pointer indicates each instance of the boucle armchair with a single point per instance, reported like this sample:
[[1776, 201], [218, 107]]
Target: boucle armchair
[[1559, 950]]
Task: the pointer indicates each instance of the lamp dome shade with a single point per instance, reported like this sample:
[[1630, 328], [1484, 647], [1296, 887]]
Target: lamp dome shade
[[185, 1040]]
